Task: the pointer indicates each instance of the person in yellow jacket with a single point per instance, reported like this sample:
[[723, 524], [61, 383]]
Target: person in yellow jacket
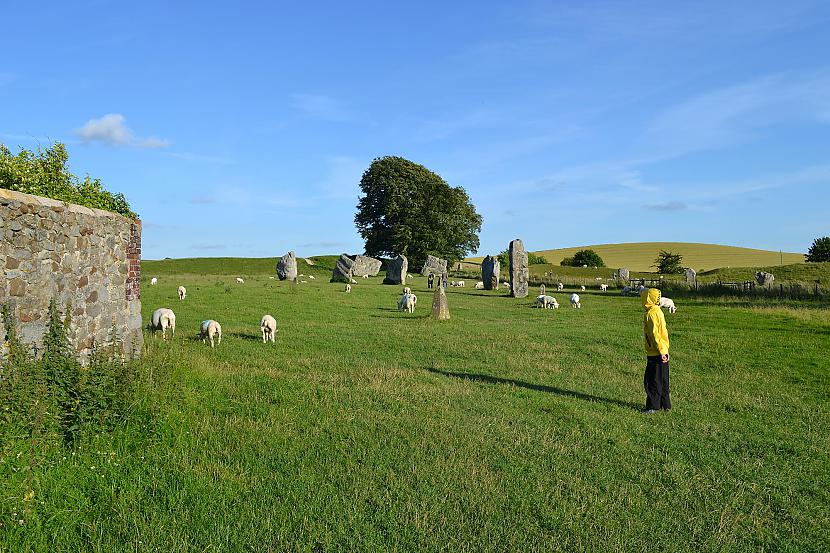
[[656, 379]]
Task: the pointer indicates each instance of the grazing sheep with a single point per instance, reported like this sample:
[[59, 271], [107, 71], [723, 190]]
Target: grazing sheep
[[582, 288], [408, 302], [163, 319], [268, 326], [575, 301], [560, 286], [348, 288], [409, 276], [239, 281], [461, 283], [669, 303], [182, 292], [211, 329], [479, 285], [153, 281], [546, 302], [603, 287], [312, 277]]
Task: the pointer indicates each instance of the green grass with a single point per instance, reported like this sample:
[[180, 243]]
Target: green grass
[[639, 256], [506, 428]]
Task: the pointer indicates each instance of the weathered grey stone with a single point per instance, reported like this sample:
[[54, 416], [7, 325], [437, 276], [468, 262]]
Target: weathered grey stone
[[764, 278], [691, 276], [365, 265], [440, 307], [342, 269], [434, 265], [519, 271], [490, 268], [396, 270], [624, 274], [287, 266], [15, 226]]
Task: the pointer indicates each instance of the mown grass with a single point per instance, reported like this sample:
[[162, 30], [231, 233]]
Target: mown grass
[[504, 428], [640, 256]]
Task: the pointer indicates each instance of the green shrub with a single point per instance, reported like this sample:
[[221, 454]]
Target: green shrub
[[588, 258], [45, 173]]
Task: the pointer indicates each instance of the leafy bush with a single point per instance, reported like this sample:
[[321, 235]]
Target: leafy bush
[[819, 251], [55, 395], [583, 257], [45, 173]]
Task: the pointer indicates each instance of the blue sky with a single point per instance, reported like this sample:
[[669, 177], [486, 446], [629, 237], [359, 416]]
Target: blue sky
[[242, 129]]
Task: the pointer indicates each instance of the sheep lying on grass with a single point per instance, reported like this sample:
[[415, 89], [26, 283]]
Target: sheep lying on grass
[[163, 319], [546, 302], [268, 326], [575, 301], [668, 303], [408, 302], [182, 292], [239, 281], [211, 329], [312, 277], [479, 285]]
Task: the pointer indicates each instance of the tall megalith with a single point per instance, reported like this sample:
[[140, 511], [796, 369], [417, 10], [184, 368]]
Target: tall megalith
[[518, 269], [490, 268]]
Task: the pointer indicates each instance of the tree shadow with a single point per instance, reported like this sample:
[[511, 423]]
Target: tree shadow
[[487, 379]]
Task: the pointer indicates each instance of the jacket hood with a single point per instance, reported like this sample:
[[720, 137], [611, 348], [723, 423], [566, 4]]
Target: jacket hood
[[650, 297]]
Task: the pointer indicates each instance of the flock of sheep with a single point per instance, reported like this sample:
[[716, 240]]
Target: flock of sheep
[[164, 319]]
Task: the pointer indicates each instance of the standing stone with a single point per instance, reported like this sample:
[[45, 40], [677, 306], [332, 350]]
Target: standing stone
[[490, 268], [518, 269], [624, 273], [342, 269], [691, 276], [764, 278], [287, 267], [365, 265], [440, 307], [396, 271], [434, 265]]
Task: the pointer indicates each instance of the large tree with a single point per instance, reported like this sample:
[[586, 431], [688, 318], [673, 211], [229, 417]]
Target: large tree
[[407, 209], [819, 251]]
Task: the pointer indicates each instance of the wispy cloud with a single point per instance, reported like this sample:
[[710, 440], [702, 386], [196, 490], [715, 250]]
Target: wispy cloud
[[668, 206], [112, 129], [321, 106]]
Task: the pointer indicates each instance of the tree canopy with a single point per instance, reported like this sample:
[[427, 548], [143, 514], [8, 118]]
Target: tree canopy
[[819, 251], [45, 173], [407, 209], [584, 257], [668, 263]]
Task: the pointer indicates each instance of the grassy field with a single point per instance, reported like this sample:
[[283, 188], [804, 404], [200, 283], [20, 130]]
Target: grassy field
[[639, 256], [505, 428]]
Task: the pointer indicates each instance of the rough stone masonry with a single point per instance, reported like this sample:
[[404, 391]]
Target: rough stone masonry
[[88, 260]]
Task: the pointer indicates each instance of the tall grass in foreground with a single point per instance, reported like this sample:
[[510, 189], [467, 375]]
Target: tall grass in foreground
[[504, 428]]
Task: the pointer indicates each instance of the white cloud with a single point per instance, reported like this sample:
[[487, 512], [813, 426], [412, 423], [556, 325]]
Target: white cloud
[[112, 129]]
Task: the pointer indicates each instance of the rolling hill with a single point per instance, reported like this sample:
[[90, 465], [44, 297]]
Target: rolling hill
[[639, 256]]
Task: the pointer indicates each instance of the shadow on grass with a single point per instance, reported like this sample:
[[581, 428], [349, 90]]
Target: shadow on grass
[[246, 336], [487, 379]]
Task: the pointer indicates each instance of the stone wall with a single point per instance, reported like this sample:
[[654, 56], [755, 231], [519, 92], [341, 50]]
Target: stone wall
[[88, 260]]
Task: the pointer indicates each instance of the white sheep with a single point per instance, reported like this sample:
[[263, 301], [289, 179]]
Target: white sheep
[[268, 326], [312, 277], [668, 303], [409, 276], [575, 301], [365, 276], [560, 286], [546, 302], [163, 319], [479, 285], [348, 288], [239, 281], [603, 287], [408, 302], [503, 284], [582, 288], [154, 281], [461, 283], [182, 292], [211, 329], [353, 281]]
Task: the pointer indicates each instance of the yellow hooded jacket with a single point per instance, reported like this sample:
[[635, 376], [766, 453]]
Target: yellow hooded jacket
[[654, 323]]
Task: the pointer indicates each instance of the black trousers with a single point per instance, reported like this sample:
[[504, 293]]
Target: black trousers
[[656, 383]]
